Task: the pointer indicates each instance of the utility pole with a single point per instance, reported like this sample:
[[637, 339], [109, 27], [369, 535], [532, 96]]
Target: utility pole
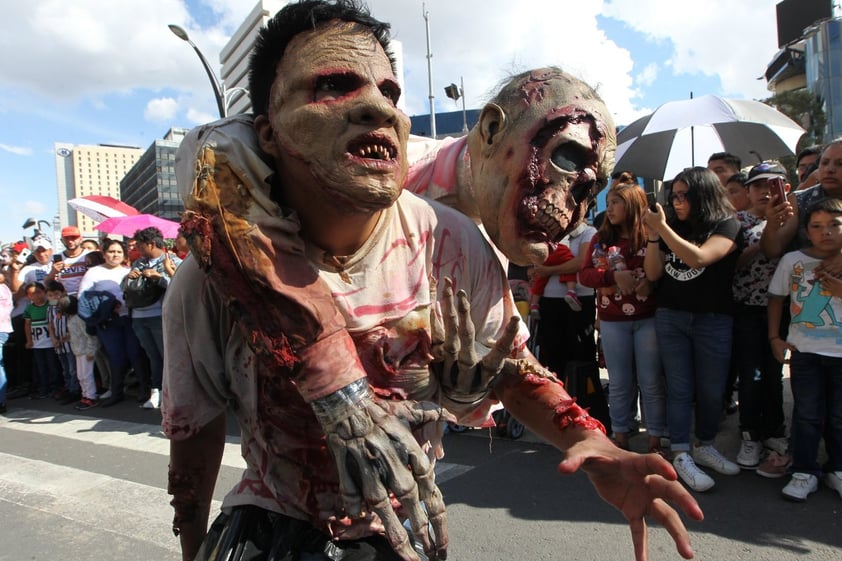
[[426, 15]]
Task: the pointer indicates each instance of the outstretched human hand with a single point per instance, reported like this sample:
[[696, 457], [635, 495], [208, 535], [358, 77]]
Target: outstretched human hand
[[376, 454], [639, 486]]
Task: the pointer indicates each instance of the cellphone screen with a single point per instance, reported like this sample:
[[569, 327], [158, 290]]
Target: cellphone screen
[[652, 200], [57, 258]]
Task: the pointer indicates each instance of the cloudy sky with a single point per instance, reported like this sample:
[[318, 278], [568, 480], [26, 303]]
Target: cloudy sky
[[109, 71]]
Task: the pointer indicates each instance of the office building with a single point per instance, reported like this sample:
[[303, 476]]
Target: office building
[[89, 170], [810, 41], [150, 186]]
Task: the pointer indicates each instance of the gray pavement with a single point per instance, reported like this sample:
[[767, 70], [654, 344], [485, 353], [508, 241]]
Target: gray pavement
[[92, 486]]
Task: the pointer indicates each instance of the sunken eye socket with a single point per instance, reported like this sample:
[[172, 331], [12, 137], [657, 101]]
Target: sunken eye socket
[[335, 85], [570, 157], [391, 91]]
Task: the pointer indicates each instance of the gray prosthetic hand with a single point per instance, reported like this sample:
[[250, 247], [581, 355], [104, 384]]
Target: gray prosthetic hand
[[375, 451], [465, 378]]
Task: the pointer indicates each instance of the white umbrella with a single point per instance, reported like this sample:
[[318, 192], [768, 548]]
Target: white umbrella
[[684, 133], [101, 207]]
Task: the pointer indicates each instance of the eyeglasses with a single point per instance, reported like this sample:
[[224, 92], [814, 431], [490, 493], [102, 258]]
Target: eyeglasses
[[678, 197]]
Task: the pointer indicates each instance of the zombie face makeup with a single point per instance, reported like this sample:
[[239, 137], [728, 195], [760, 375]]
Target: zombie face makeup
[[540, 153], [332, 126]]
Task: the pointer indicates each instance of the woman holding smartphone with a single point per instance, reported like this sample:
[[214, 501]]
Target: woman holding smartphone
[[696, 240]]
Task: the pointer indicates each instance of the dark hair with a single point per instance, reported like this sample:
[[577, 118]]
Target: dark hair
[[150, 235], [726, 157], [89, 240], [108, 242], [739, 177], [708, 204], [636, 206], [295, 18], [37, 285], [94, 258], [623, 176], [831, 205], [54, 286], [68, 305], [814, 150]]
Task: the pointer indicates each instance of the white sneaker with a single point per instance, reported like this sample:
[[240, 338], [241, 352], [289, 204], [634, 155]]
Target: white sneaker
[[687, 470], [154, 401], [749, 455], [709, 456], [833, 480], [801, 485], [105, 395]]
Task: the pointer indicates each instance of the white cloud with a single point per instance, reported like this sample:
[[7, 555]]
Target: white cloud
[[721, 38], [161, 110], [18, 150], [647, 76], [198, 117]]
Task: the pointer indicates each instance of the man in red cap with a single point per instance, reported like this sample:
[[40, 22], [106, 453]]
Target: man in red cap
[[69, 265]]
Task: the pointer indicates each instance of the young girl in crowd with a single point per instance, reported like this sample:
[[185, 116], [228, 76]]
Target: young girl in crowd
[[815, 343], [626, 308], [696, 242], [84, 348]]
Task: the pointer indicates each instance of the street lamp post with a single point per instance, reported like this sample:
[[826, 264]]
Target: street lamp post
[[218, 87], [426, 15]]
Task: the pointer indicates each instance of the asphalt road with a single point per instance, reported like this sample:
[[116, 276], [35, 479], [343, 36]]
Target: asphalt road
[[92, 486]]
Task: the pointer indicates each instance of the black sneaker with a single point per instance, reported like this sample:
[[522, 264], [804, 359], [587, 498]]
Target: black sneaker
[[71, 397], [85, 404], [113, 400]]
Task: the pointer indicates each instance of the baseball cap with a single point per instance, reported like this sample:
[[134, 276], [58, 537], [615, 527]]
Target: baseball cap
[[766, 170], [42, 243], [70, 232]]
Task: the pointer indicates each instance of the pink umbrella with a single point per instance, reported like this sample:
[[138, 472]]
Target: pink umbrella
[[101, 207], [128, 225]]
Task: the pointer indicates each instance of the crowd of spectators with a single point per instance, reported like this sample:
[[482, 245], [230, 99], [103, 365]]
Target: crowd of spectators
[[66, 329], [710, 292]]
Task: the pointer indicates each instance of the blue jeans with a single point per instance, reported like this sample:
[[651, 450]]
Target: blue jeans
[[150, 333], [46, 370], [68, 370], [817, 399], [696, 354], [630, 345], [3, 338], [123, 350], [761, 389]]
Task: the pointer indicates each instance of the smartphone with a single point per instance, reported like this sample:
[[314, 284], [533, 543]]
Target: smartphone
[[777, 189], [652, 200], [57, 258]]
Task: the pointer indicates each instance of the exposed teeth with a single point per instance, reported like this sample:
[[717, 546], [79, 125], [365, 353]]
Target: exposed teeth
[[375, 151]]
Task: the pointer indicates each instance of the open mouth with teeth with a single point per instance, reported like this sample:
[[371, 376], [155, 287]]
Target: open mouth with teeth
[[545, 218], [373, 147]]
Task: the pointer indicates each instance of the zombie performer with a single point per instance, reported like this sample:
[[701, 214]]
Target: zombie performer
[[305, 261], [540, 152]]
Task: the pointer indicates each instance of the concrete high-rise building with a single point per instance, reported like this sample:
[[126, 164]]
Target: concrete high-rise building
[[234, 57], [150, 186], [89, 170]]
